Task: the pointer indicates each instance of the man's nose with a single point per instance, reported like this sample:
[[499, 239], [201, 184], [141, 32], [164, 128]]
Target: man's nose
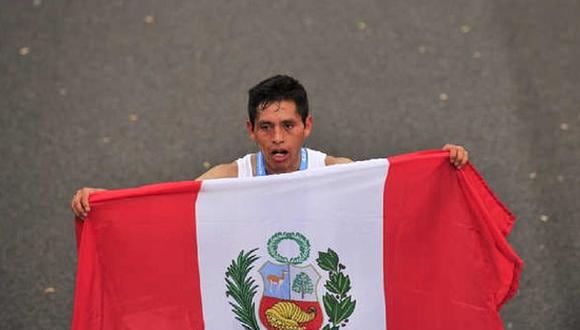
[[278, 136]]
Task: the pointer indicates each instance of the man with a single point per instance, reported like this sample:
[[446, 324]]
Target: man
[[279, 122]]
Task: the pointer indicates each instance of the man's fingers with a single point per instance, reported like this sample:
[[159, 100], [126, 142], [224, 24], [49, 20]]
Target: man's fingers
[[465, 158], [76, 205], [462, 159], [85, 201], [452, 153], [72, 205], [80, 201], [460, 155]]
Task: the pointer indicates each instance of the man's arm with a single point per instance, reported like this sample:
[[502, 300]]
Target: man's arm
[[331, 160], [458, 157], [80, 200], [220, 171]]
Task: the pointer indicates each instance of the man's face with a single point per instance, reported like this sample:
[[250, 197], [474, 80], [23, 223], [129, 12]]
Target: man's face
[[280, 133]]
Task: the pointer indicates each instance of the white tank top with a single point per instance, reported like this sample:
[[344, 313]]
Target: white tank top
[[316, 159]]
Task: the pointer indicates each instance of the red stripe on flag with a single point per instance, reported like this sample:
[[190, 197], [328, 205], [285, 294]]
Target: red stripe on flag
[[447, 262], [138, 266]]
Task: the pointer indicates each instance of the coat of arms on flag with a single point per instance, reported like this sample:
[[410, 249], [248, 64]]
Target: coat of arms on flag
[[290, 299]]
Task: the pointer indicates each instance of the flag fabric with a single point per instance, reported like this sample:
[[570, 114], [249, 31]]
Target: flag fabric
[[402, 243]]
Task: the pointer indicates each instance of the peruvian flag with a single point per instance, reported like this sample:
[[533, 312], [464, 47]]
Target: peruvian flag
[[403, 243]]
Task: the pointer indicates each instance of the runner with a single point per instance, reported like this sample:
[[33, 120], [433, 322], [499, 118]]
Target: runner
[[279, 123]]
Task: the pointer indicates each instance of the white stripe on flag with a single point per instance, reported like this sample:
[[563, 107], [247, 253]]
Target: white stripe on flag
[[338, 207]]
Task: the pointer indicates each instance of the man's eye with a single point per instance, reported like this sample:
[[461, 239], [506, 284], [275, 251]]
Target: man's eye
[[289, 125], [265, 127]]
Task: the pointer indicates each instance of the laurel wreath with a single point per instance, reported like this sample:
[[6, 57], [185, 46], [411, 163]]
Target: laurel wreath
[[242, 288], [338, 305], [301, 241]]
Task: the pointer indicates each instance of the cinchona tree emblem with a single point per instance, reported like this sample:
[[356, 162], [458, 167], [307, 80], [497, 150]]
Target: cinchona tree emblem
[[289, 298], [302, 284]]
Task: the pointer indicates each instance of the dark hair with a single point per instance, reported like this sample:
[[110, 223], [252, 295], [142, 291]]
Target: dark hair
[[275, 89]]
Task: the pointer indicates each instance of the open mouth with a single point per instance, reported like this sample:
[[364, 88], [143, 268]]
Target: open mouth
[[279, 155]]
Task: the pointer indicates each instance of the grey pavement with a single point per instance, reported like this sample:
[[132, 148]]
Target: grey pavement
[[118, 93]]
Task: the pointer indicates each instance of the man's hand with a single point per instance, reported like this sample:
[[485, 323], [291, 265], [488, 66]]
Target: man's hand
[[458, 156], [80, 201]]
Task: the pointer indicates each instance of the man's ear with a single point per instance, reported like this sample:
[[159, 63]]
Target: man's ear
[[250, 129], [308, 125]]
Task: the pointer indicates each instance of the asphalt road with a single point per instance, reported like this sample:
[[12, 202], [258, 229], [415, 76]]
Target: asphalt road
[[123, 93]]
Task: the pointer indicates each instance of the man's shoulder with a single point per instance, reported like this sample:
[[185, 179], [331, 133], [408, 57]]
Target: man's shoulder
[[228, 170], [332, 160]]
